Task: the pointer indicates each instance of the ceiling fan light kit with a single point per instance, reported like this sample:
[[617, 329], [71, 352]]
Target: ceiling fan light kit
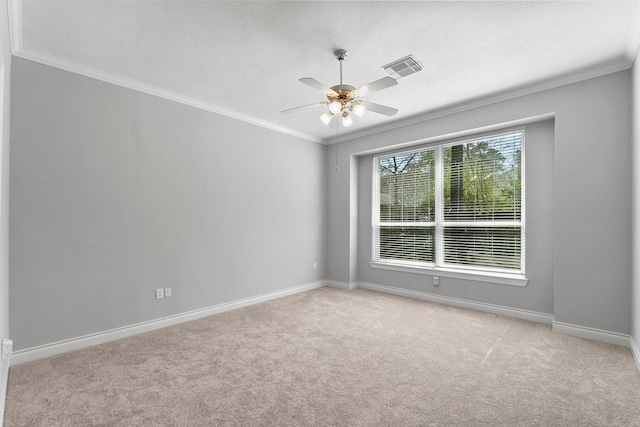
[[345, 99], [326, 117]]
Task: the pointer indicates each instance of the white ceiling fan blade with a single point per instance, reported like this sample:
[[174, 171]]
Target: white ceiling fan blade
[[380, 109], [383, 83], [310, 81], [291, 110]]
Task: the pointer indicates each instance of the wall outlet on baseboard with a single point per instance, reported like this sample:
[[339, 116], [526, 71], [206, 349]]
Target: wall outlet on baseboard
[[159, 293], [315, 265], [167, 292], [436, 281], [7, 348]]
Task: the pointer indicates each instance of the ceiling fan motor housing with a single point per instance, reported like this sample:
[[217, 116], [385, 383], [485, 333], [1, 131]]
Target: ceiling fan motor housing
[[342, 94], [340, 54]]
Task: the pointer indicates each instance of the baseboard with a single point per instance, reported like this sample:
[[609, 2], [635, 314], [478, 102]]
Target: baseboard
[[35, 353], [4, 378], [59, 347], [593, 334], [341, 285], [635, 352], [458, 302], [559, 327]]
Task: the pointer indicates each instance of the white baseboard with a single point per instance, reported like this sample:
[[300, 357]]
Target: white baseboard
[[592, 334], [559, 327], [4, 379], [635, 352], [458, 302], [59, 347], [341, 285], [35, 353]]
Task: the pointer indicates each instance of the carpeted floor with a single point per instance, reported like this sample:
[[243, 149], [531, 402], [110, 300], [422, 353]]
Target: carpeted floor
[[340, 358]]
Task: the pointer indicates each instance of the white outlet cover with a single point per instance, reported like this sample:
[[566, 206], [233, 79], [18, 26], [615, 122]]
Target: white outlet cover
[[7, 348]]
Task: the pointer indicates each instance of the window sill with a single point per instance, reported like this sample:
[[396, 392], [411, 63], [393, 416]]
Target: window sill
[[477, 276]]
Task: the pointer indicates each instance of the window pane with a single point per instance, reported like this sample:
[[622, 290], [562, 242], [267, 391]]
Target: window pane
[[407, 187], [478, 222], [407, 243], [497, 247], [482, 179]]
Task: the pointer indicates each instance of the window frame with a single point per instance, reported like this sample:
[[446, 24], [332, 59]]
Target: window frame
[[438, 267]]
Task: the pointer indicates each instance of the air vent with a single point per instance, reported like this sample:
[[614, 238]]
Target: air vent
[[403, 67]]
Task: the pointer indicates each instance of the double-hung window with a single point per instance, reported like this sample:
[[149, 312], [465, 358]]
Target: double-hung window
[[458, 206]]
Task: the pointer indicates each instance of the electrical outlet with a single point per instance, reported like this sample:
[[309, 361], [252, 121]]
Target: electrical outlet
[[7, 348], [167, 292], [436, 281], [315, 265], [159, 293]]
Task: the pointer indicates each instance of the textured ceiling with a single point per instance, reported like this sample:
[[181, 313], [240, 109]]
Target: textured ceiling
[[244, 59]]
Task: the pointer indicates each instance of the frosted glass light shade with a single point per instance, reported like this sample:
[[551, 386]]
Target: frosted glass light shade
[[335, 107], [358, 110], [347, 121], [326, 117]]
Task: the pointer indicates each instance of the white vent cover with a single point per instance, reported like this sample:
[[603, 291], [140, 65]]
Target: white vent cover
[[403, 67]]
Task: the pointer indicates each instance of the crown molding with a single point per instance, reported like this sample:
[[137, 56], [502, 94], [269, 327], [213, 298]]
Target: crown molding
[[624, 63], [18, 50], [494, 98], [14, 9], [74, 67], [633, 42]]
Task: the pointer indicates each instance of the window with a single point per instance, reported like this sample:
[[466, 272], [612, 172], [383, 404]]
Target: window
[[456, 206]]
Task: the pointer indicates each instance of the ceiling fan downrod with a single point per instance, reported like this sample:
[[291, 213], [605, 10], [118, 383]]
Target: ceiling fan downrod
[[341, 99], [340, 54]]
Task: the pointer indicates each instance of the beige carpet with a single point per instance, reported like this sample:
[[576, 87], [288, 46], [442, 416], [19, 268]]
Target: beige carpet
[[331, 357]]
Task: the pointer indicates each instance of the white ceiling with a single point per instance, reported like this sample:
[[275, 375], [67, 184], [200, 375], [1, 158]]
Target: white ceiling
[[243, 59]]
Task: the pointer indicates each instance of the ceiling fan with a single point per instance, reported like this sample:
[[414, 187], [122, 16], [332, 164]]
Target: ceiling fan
[[345, 99]]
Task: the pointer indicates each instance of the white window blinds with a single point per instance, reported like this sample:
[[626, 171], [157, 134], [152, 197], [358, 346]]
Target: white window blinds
[[456, 205]]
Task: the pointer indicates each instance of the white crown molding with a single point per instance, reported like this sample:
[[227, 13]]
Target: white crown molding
[[626, 62], [14, 9], [94, 73], [52, 349], [15, 33], [633, 42], [18, 50], [490, 99]]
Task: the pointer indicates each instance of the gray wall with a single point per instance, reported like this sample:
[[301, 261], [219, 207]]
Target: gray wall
[[5, 64], [115, 193], [635, 330], [591, 267]]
